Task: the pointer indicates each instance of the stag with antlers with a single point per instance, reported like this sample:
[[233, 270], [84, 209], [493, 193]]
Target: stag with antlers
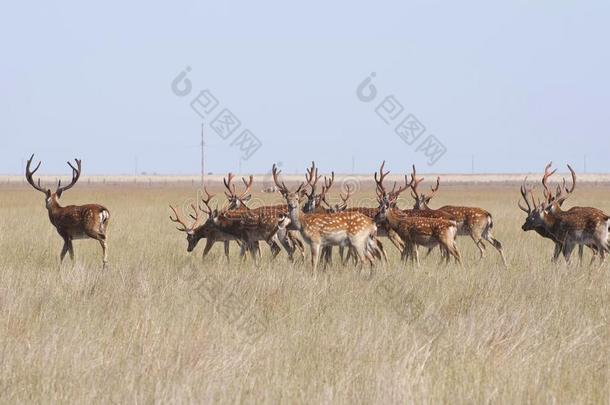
[[472, 221], [577, 226], [73, 221], [325, 229], [415, 230], [208, 230]]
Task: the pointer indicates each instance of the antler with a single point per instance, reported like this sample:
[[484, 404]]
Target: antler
[[227, 184], [30, 173], [312, 178], [328, 183], [380, 189], [246, 193], [393, 195], [75, 176], [524, 191], [562, 191], [185, 227], [281, 186], [547, 193], [206, 202], [435, 188], [349, 190], [414, 183]]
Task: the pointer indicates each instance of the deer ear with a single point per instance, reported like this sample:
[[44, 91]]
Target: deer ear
[[58, 193]]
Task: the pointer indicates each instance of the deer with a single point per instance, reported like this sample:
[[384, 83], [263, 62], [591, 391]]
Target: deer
[[568, 229], [553, 204], [371, 212], [326, 229], [208, 230], [237, 202], [416, 231], [73, 221], [472, 221]]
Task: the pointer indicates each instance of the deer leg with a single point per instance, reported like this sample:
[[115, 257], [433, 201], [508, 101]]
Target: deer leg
[[567, 251], [226, 247], [477, 241], [580, 254], [556, 252], [206, 249], [315, 255], [384, 256], [64, 249], [455, 253], [396, 239], [415, 253], [498, 245], [288, 247], [104, 252]]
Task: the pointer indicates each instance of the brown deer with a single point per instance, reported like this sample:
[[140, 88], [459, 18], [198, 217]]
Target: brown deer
[[237, 202], [569, 229], [416, 231], [472, 221], [208, 230], [324, 229], [544, 213], [73, 221]]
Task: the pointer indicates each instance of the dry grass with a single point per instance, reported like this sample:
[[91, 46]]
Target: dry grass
[[149, 329]]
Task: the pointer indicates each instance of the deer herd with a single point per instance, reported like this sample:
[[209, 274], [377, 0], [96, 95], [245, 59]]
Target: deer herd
[[306, 218]]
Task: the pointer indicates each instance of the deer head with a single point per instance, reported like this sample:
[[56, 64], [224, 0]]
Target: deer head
[[237, 200], [194, 231], [52, 197], [384, 196], [191, 237], [293, 198]]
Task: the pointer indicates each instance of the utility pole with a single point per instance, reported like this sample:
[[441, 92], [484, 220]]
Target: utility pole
[[472, 164], [202, 158], [585, 163]]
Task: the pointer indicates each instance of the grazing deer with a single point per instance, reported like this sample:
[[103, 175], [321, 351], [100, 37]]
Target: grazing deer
[[319, 230], [237, 202], [577, 226], [73, 221], [208, 230], [472, 221]]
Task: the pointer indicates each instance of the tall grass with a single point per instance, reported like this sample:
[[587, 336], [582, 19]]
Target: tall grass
[[161, 325]]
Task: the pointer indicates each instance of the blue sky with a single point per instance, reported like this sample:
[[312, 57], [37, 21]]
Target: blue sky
[[513, 84]]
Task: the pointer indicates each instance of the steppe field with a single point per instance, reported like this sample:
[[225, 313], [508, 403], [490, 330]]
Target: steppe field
[[161, 325]]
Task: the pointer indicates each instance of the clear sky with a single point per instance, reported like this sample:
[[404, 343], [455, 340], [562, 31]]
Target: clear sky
[[513, 84]]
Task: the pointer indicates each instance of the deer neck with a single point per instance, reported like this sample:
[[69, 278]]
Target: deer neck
[[53, 204], [392, 217], [296, 217]]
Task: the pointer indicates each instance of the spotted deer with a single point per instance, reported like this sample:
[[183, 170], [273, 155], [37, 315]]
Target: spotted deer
[[472, 221], [328, 229], [415, 230], [582, 226], [73, 221], [371, 212]]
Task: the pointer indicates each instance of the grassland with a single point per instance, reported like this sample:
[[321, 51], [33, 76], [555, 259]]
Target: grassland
[[161, 325]]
